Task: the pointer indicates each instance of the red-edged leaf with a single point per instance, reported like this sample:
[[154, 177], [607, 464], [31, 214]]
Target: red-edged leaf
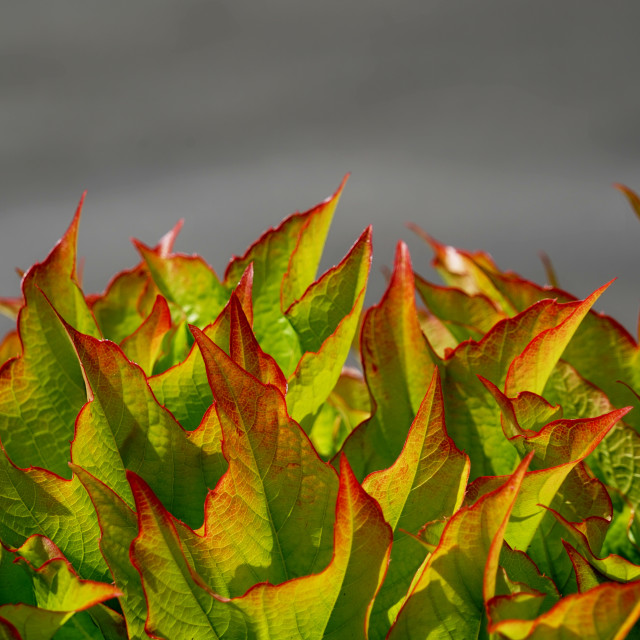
[[398, 368], [180, 605], [285, 261], [335, 603], [187, 281], [632, 197], [42, 390], [123, 427], [273, 507], [118, 529], [304, 259], [532, 368], [10, 307], [448, 596], [466, 316], [325, 319], [184, 388], [246, 352], [587, 577], [426, 483], [607, 612], [144, 345], [36, 501], [10, 347]]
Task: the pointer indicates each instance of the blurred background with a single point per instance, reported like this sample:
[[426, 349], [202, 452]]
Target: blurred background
[[494, 125]]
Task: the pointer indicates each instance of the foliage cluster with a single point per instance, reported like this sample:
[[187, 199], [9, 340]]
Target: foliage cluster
[[187, 457]]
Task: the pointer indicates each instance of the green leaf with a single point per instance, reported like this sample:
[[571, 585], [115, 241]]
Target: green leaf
[[58, 590], [273, 507], [123, 427], [184, 388], [614, 567], [129, 296], [326, 319], [398, 367], [57, 586], [285, 261], [587, 577], [143, 346], [118, 529], [42, 390], [607, 612], [180, 604], [464, 315], [471, 413], [334, 603], [448, 595], [36, 501], [427, 482], [15, 584], [186, 281]]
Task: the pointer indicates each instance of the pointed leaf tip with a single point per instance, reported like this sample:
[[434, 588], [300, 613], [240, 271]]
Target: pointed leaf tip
[[631, 195]]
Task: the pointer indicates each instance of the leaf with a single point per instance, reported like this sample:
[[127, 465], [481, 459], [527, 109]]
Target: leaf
[[285, 261], [335, 603], [118, 311], [129, 296], [632, 197], [449, 593], [605, 612], [118, 529], [465, 315], [272, 509], [331, 604], [15, 584], [305, 257], [347, 406], [326, 319], [42, 390], [59, 592], [57, 586], [184, 388], [36, 501], [427, 482], [521, 570], [587, 577], [246, 352], [186, 281], [179, 604], [123, 427], [398, 367], [581, 498], [614, 567], [602, 350], [10, 307], [532, 368], [144, 344], [10, 347]]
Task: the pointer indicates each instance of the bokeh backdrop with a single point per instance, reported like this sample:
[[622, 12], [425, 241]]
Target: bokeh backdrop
[[498, 125]]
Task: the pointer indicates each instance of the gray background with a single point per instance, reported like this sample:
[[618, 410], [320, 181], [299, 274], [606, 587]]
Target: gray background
[[496, 125]]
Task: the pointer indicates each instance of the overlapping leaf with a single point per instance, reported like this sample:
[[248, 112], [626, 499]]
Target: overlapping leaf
[[448, 596], [398, 367], [333, 603], [285, 261], [41, 391], [426, 483], [123, 427], [271, 515], [58, 592]]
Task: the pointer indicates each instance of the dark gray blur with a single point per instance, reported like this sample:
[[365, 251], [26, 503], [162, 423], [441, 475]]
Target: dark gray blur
[[497, 125]]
